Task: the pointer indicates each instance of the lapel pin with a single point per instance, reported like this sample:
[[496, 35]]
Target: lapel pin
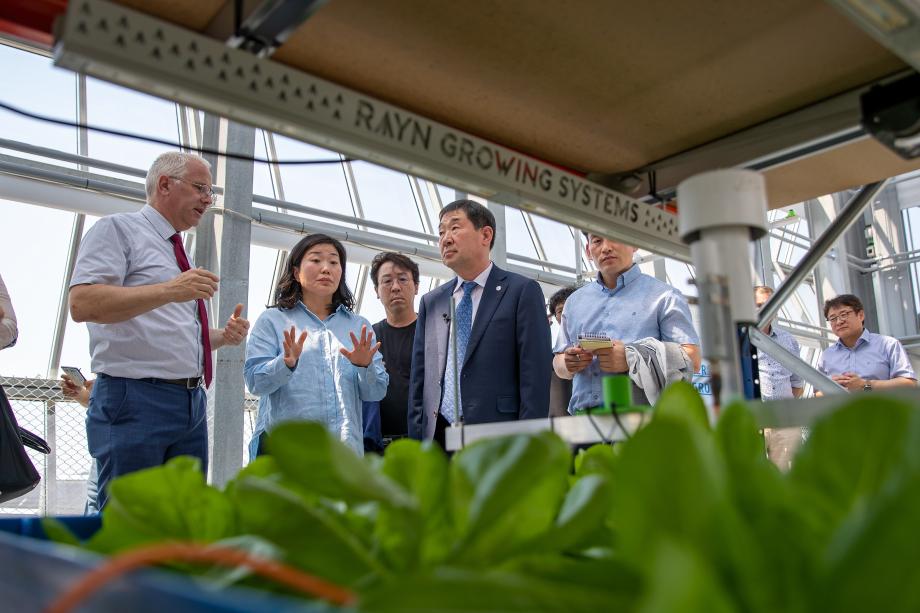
[[498, 288]]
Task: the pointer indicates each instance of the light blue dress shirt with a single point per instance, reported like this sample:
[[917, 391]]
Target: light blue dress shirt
[[640, 306], [325, 386], [131, 250], [874, 356], [777, 381]]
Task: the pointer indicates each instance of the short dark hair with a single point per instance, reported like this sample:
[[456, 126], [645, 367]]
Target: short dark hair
[[478, 215], [559, 298], [843, 300], [588, 234], [288, 290], [397, 259]]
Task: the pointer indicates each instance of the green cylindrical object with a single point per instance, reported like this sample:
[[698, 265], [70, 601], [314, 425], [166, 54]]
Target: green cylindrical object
[[617, 392]]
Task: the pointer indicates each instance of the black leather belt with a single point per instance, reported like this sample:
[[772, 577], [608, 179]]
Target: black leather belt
[[189, 383]]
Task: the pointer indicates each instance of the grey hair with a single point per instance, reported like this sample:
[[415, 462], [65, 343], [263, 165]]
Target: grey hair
[[171, 163]]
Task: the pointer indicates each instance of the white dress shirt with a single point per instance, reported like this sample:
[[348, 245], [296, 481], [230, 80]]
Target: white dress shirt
[[476, 294], [8, 327], [131, 250]]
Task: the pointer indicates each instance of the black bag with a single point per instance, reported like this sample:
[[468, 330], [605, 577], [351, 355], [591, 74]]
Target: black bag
[[17, 473], [34, 441]]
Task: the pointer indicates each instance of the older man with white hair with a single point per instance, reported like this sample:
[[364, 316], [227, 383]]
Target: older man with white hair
[[149, 335]]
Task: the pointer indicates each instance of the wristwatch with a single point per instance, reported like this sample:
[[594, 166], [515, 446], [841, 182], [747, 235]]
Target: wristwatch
[[867, 386]]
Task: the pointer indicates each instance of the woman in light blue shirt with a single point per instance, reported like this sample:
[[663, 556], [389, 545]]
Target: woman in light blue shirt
[[310, 356]]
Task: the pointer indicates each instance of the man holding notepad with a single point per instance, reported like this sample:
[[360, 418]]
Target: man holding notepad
[[622, 306]]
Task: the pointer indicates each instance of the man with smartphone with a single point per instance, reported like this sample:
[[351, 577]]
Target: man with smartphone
[[623, 305], [76, 387], [148, 327]]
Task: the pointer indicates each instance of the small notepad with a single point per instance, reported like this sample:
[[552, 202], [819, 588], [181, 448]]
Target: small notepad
[[593, 342]]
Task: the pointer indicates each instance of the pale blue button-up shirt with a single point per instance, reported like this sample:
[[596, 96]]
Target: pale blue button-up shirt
[[640, 306], [777, 381], [874, 356], [324, 386]]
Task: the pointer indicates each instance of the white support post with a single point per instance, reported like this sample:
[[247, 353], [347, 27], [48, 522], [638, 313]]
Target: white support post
[[721, 212]]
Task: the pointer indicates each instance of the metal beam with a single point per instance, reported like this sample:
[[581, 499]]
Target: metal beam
[[896, 25], [82, 160], [500, 249], [126, 47], [78, 191], [234, 236], [585, 430], [819, 380], [76, 236], [845, 217], [104, 184]]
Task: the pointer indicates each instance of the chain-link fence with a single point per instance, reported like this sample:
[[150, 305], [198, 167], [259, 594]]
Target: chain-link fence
[[40, 407]]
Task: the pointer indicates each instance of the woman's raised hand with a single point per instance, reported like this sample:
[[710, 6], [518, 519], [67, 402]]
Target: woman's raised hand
[[363, 349], [293, 346]]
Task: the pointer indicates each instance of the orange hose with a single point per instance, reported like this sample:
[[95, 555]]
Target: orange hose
[[196, 552]]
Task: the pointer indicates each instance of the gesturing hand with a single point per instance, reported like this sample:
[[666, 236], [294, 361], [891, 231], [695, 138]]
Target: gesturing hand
[[293, 346], [362, 352], [236, 329], [193, 284]]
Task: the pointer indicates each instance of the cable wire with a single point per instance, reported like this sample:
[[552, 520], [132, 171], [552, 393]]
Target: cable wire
[[168, 143]]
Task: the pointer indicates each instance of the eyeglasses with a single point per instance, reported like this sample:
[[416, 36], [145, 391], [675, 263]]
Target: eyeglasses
[[841, 316], [401, 280], [203, 189]]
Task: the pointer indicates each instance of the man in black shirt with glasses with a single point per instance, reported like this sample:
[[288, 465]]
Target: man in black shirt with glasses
[[396, 280]]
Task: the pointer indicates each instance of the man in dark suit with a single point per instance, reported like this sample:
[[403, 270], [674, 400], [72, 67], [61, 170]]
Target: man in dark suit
[[501, 371]]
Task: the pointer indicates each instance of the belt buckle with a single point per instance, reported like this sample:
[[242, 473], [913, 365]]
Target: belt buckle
[[188, 383]]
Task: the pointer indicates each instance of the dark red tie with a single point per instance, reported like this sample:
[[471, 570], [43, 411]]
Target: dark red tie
[[182, 260]]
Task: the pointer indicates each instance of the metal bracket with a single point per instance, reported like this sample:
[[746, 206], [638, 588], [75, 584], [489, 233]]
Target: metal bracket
[[271, 23], [573, 429], [819, 380]]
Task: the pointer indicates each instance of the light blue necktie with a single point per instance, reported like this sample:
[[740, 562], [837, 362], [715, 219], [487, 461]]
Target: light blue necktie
[[464, 326]]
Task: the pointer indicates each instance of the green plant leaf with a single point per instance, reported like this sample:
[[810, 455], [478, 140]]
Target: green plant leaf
[[450, 590], [611, 574], [680, 580], [874, 560], [309, 456], [505, 492], [581, 522], [670, 482], [412, 538], [595, 460], [58, 532], [220, 576], [681, 401], [852, 454], [785, 567], [312, 536], [163, 503]]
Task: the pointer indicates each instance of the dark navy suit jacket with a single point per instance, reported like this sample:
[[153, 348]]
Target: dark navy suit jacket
[[506, 369]]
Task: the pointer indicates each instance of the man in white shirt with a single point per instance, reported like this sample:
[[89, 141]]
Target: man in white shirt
[[149, 336], [778, 383]]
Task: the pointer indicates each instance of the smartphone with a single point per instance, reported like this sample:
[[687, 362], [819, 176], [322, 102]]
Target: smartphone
[[75, 374]]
